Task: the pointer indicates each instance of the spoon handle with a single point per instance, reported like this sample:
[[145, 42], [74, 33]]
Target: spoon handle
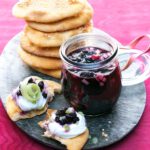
[[132, 45]]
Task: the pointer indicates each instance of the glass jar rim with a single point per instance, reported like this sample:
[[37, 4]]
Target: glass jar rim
[[108, 40]]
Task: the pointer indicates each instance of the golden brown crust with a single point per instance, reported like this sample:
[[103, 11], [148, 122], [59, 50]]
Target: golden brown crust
[[15, 113], [48, 115], [47, 10], [36, 50], [56, 73], [75, 143], [54, 85], [66, 24], [39, 62], [55, 39]]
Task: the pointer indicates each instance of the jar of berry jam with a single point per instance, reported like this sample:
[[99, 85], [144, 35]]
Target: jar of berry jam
[[91, 76]]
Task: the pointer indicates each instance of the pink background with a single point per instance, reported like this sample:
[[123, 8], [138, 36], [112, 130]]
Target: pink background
[[124, 20]]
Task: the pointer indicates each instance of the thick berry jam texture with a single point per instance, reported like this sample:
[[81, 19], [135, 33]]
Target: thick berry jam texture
[[94, 91], [89, 55], [65, 116]]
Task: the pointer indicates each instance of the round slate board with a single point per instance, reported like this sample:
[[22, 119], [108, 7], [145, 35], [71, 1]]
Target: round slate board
[[117, 124]]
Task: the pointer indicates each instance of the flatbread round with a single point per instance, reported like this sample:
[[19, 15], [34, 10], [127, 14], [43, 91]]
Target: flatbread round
[[75, 143], [47, 10], [42, 39], [39, 51], [70, 23], [54, 73], [39, 62], [15, 113]]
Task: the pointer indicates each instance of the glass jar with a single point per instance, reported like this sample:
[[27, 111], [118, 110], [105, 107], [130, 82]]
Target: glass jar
[[91, 87]]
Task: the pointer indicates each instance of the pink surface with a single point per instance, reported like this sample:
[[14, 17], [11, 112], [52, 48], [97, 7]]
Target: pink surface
[[123, 19]]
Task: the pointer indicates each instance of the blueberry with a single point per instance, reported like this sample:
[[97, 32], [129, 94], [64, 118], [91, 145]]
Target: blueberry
[[82, 55], [19, 93], [57, 119], [73, 115], [62, 122], [86, 74], [41, 85], [60, 113], [69, 120], [31, 80], [90, 53], [78, 59], [88, 60], [44, 94], [85, 51], [66, 118], [75, 120], [69, 116], [62, 118]]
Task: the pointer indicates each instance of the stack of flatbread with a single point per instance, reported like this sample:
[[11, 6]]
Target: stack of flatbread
[[49, 24]]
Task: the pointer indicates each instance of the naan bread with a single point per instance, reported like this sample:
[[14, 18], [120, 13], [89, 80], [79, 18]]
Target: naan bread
[[66, 24], [56, 73], [14, 111], [38, 51], [42, 39], [39, 62], [75, 143], [47, 10]]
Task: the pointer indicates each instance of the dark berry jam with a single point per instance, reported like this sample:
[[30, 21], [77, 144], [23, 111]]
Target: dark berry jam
[[89, 55], [92, 91]]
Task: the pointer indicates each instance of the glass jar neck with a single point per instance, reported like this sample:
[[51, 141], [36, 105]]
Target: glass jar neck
[[88, 40]]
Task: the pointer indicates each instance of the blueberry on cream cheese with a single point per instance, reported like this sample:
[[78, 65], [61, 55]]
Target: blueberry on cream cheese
[[41, 85], [32, 94], [31, 98], [65, 123], [66, 116]]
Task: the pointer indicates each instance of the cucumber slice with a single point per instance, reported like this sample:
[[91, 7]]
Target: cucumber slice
[[30, 91]]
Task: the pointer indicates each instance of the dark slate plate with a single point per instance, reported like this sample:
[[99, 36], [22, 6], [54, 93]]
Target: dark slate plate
[[116, 125]]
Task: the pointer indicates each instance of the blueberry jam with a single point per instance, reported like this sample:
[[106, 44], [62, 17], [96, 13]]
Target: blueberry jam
[[92, 91], [65, 116], [89, 55]]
